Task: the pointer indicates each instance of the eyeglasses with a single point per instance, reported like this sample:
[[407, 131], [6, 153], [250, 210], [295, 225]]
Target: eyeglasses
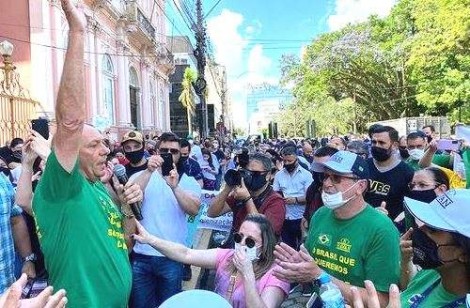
[[256, 173], [249, 241], [166, 150], [336, 178], [422, 186]]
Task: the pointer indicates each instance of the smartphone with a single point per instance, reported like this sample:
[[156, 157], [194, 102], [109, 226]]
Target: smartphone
[[41, 126], [167, 165], [448, 145]]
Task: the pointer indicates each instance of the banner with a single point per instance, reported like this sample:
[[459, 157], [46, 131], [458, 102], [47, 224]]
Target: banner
[[202, 221], [221, 223]]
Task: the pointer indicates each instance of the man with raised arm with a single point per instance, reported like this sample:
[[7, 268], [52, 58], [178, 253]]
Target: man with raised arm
[[80, 228]]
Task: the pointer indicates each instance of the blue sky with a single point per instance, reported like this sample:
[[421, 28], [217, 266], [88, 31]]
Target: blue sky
[[249, 36]]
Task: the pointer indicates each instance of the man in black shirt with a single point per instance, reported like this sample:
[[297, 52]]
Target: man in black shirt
[[389, 176]]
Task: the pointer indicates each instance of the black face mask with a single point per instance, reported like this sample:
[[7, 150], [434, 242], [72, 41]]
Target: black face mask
[[18, 155], [183, 159], [290, 167], [256, 181], [135, 156], [429, 138], [425, 250], [427, 195], [380, 154], [404, 153]]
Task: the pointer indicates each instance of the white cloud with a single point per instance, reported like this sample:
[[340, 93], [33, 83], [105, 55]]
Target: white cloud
[[353, 11], [246, 65]]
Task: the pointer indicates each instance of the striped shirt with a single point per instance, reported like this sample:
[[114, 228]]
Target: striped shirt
[[8, 209]]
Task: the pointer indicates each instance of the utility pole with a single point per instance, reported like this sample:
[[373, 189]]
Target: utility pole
[[200, 54]]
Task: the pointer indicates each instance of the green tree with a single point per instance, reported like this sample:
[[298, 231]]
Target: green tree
[[186, 97]]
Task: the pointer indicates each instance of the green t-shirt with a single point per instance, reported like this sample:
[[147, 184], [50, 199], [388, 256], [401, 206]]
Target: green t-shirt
[[81, 236], [365, 246], [442, 160], [413, 163], [438, 297]]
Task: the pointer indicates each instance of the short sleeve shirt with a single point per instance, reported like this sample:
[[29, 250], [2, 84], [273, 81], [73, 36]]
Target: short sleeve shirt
[[82, 238], [237, 299]]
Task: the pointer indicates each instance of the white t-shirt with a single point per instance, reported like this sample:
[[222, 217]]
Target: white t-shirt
[[162, 215]]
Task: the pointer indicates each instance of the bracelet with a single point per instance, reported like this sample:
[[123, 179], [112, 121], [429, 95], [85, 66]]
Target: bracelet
[[247, 199]]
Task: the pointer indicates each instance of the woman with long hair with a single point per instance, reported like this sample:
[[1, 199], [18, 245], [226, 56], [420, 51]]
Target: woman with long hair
[[244, 275]]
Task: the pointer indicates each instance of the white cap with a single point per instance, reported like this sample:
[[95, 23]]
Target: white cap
[[447, 212]]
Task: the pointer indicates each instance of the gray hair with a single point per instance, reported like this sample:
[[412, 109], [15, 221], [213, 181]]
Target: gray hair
[[264, 159]]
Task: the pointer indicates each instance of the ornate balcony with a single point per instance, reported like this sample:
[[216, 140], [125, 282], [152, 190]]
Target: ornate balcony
[[145, 25]]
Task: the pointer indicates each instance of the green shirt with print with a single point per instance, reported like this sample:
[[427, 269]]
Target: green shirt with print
[[81, 235], [366, 246], [438, 296]]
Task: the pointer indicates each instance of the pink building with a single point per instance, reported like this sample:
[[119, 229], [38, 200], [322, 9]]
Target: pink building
[[127, 63]]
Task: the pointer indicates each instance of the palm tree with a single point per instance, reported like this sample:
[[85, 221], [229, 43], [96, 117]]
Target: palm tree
[[186, 96]]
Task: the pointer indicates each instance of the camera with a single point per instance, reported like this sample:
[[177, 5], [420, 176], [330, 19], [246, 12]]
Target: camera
[[234, 177]]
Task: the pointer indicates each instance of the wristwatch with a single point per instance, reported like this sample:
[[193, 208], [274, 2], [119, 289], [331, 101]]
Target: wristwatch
[[31, 257]]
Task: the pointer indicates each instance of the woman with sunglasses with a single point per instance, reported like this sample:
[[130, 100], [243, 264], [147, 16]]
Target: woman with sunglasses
[[244, 275]]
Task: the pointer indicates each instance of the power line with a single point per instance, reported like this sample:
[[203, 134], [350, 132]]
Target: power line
[[213, 7]]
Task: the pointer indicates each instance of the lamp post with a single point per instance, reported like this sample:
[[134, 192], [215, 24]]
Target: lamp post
[[6, 50]]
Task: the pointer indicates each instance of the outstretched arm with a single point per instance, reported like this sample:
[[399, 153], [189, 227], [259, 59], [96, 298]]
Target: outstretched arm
[[70, 106]]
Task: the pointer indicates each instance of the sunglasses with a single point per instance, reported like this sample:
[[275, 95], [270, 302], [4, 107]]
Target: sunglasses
[[336, 178], [166, 150], [249, 241]]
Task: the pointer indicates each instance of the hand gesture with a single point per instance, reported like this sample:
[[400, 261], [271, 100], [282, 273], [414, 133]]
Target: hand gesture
[[173, 179], [241, 192], [406, 246], [45, 299], [41, 146], [372, 297], [303, 268], [432, 146], [242, 263], [154, 162], [29, 156], [108, 173], [382, 208], [75, 17], [142, 236]]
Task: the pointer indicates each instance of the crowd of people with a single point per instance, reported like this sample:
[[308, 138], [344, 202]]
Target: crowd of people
[[105, 221]]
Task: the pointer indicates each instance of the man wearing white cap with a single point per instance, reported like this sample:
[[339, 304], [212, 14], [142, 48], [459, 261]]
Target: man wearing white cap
[[441, 247], [348, 238]]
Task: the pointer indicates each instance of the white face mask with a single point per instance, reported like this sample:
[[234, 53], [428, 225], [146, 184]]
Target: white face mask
[[335, 201], [251, 253], [416, 154]]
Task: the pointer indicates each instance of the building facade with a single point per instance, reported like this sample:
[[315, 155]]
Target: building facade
[[127, 62]]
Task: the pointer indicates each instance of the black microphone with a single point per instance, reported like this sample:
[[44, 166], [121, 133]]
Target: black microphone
[[120, 173]]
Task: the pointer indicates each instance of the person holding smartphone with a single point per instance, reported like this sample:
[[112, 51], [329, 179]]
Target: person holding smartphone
[[169, 194]]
